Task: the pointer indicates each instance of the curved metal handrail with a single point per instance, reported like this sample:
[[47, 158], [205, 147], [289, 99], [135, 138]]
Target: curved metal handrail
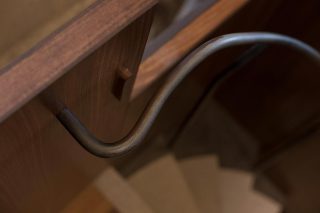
[[139, 131]]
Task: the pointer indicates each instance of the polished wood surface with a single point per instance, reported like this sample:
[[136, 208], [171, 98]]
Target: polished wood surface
[[54, 56], [24, 23], [42, 167], [188, 38]]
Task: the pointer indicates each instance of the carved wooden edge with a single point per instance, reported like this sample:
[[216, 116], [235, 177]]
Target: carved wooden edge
[[27, 76], [183, 42]]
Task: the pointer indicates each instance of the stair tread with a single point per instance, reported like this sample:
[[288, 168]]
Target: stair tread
[[201, 174], [122, 196], [237, 194], [217, 131], [265, 185], [89, 200], [162, 185]]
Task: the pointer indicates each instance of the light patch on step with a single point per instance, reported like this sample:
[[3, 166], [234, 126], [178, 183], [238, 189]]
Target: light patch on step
[[120, 194], [237, 194], [163, 187], [89, 200], [201, 174]]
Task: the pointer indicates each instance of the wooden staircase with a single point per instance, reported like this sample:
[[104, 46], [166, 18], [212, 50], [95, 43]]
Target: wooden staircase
[[190, 180], [193, 185]]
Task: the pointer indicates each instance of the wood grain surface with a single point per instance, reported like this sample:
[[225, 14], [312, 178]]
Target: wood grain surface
[[42, 167], [174, 50], [29, 75], [33, 20]]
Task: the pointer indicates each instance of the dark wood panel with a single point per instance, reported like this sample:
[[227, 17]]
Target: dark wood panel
[[42, 167], [54, 56]]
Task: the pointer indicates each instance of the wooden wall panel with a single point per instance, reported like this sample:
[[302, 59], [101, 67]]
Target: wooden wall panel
[[42, 167]]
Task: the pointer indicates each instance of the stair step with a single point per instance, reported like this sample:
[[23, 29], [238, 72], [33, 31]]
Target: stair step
[[201, 175], [237, 194], [116, 189], [265, 185], [217, 132], [89, 200], [163, 187]]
